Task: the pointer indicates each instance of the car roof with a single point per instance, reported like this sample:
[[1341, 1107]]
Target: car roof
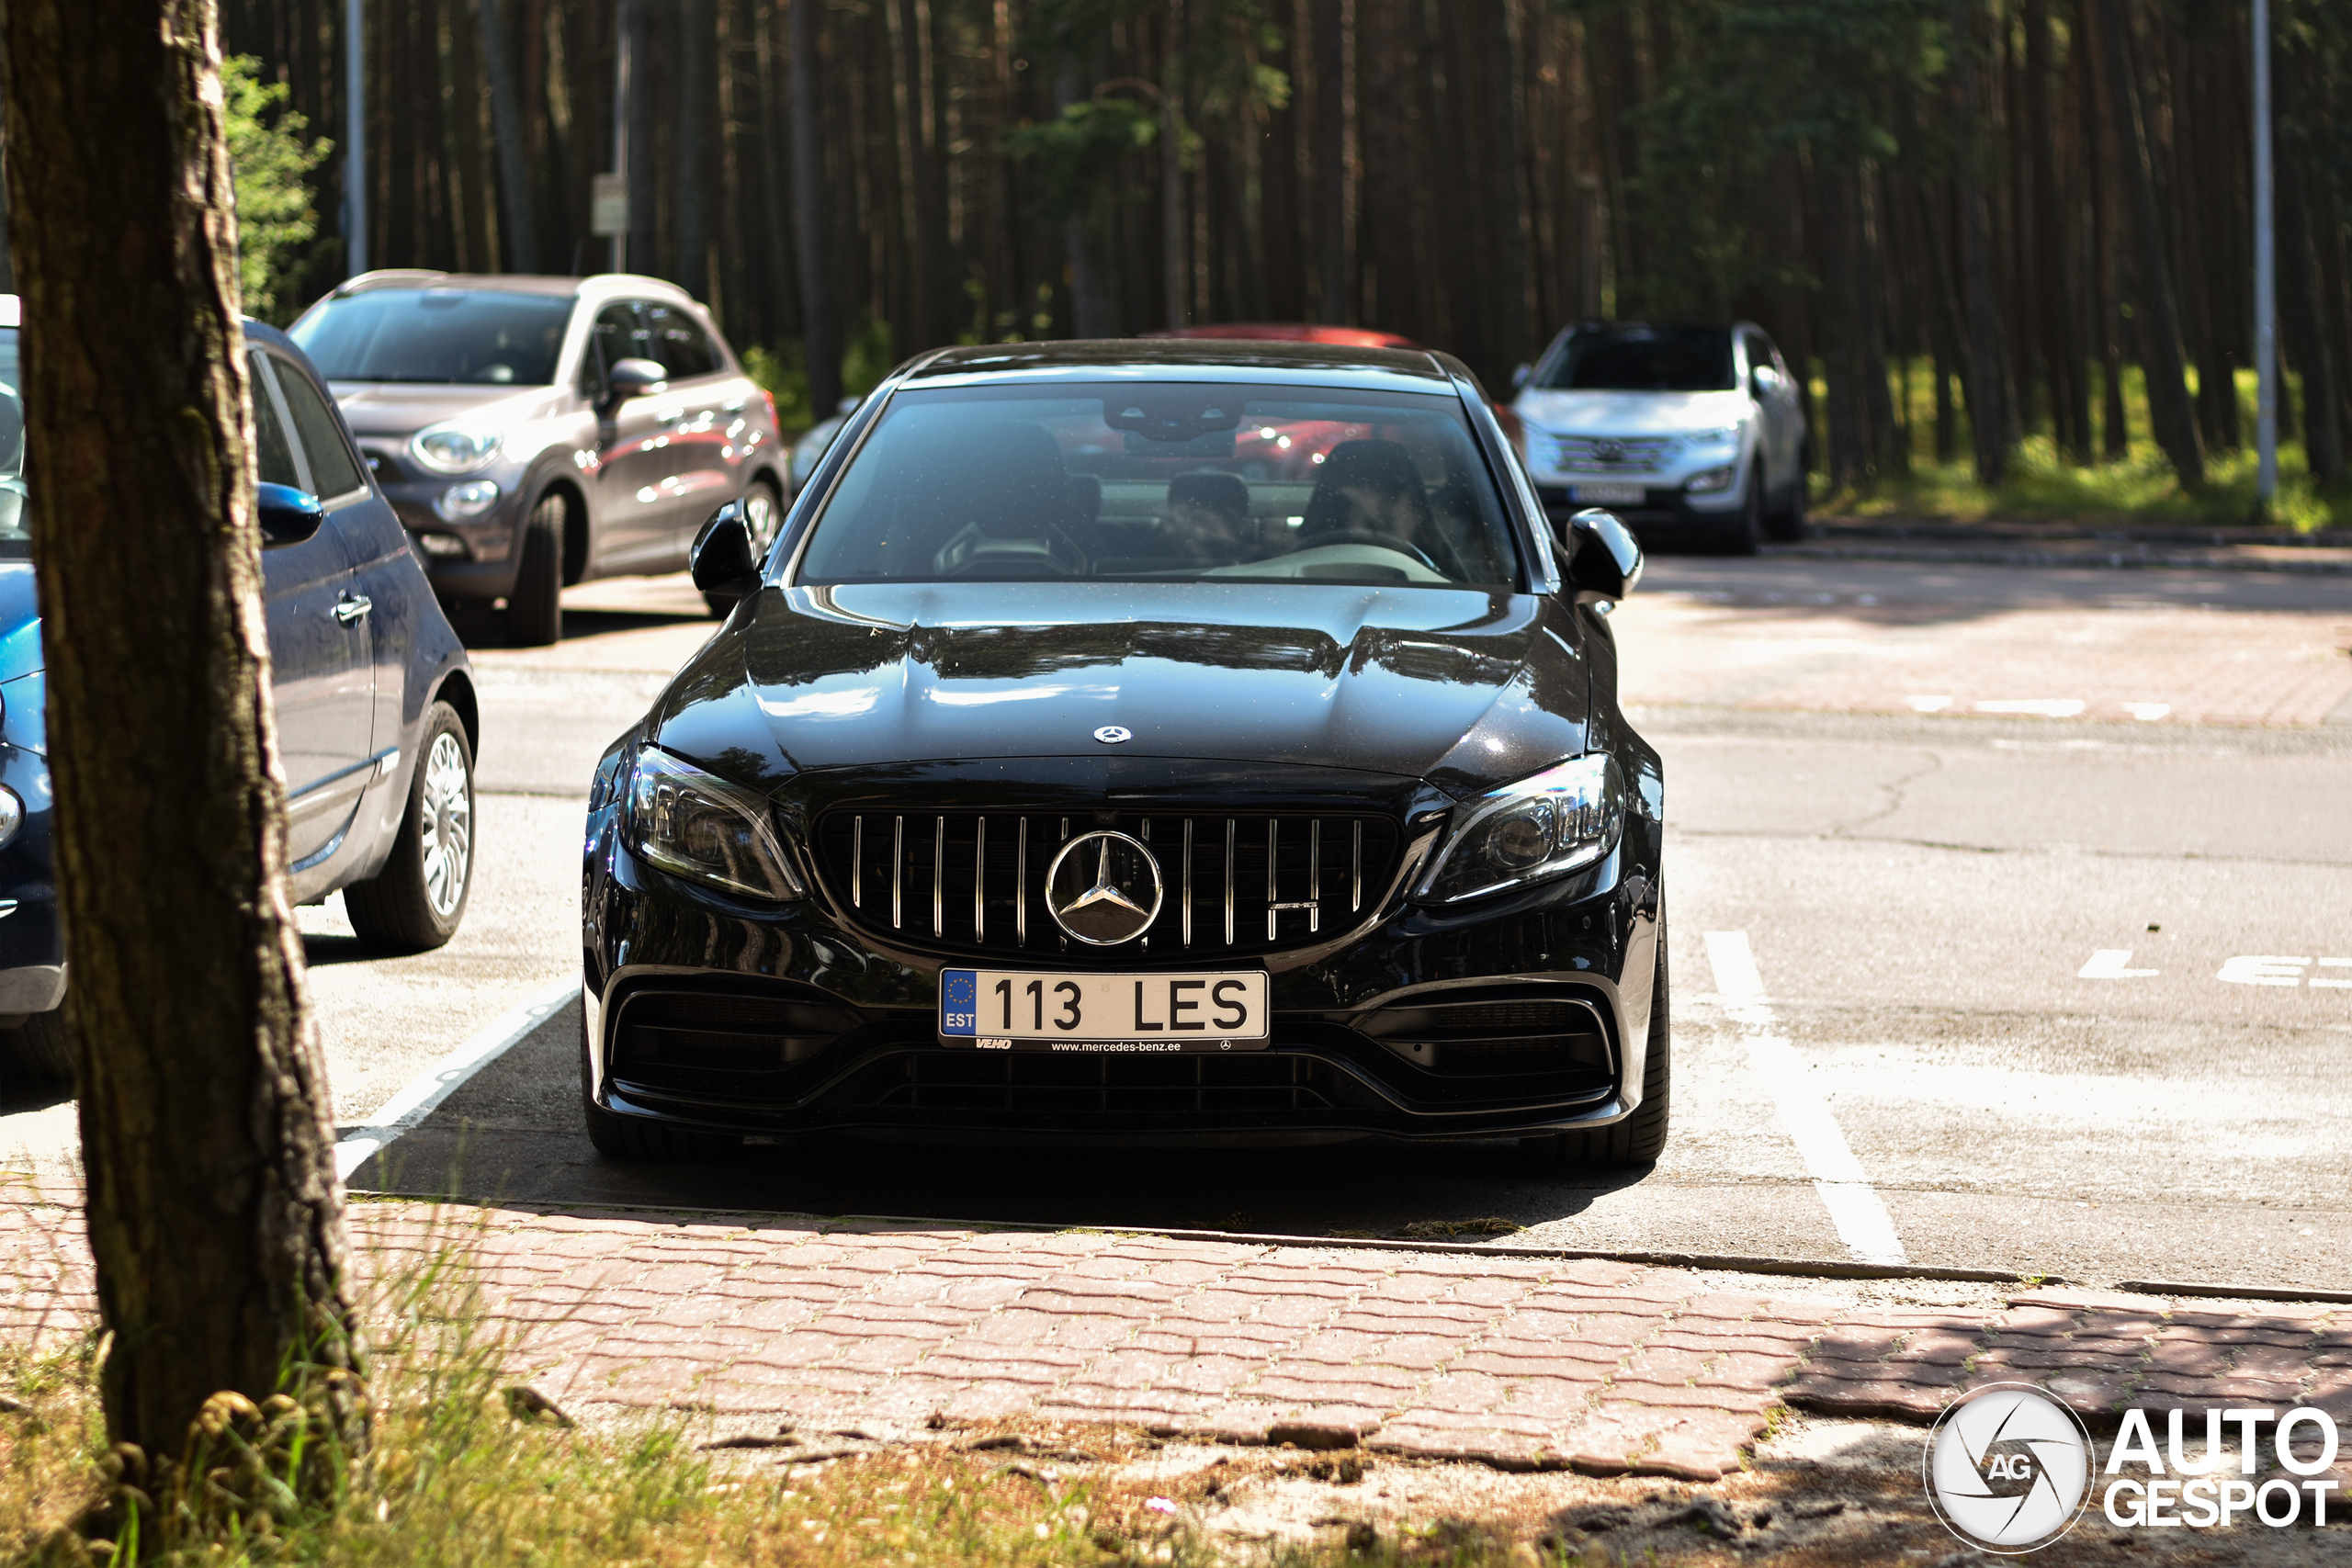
[[1188, 359], [596, 285]]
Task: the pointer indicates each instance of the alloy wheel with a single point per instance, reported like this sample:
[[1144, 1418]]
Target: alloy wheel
[[445, 814]]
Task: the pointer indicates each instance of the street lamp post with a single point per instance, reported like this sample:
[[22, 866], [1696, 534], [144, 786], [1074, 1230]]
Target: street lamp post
[[2265, 273], [355, 139]]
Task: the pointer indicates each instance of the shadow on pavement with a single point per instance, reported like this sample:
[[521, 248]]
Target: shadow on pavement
[[512, 1134]]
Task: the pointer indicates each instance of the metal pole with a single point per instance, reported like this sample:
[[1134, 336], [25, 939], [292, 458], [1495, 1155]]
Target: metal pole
[[621, 31], [2265, 270], [355, 139]]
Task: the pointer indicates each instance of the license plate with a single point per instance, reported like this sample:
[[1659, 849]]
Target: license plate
[[1606, 495], [1006, 1009]]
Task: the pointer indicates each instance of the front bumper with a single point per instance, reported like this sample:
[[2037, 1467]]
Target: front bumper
[[713, 1015], [32, 942], [486, 568], [1660, 508]]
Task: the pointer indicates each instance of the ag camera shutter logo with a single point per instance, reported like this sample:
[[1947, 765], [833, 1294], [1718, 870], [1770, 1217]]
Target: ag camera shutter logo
[[2007, 1467]]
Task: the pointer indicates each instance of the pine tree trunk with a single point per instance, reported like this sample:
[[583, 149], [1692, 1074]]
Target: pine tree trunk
[[690, 127], [506, 116], [2156, 322], [1839, 239], [1335, 50], [215, 1215], [1985, 368], [820, 327]]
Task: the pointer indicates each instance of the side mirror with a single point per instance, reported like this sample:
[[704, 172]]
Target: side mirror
[[722, 557], [1763, 380], [1603, 560], [633, 378], [287, 515], [1520, 376]]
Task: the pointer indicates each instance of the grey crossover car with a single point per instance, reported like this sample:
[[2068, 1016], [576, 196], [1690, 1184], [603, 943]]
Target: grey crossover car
[[537, 431]]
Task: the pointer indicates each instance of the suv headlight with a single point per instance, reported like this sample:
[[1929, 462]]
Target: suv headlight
[[693, 824], [456, 447], [1727, 436], [1562, 817]]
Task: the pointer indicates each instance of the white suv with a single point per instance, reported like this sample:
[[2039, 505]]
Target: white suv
[[1671, 428]]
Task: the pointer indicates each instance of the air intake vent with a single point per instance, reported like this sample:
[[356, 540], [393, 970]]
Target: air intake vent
[[701, 1040], [1527, 1035]]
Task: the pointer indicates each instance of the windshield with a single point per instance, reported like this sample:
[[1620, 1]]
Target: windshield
[[1167, 480], [16, 524], [446, 336], [1644, 359]]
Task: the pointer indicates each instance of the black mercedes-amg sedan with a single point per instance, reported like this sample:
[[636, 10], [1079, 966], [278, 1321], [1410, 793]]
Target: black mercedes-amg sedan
[[1174, 742]]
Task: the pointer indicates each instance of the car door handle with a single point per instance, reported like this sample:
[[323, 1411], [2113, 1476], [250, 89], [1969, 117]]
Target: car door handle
[[351, 606]]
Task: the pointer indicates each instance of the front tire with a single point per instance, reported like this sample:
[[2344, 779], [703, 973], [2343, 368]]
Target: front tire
[[1788, 523], [1744, 534], [39, 1052], [1640, 1138], [535, 610], [416, 903]]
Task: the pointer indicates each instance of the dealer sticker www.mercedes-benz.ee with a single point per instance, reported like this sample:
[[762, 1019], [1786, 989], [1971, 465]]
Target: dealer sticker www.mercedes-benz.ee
[[1028, 1011]]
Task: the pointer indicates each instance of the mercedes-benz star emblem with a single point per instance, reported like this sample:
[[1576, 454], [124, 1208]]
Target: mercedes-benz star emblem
[[1104, 888], [1111, 734]]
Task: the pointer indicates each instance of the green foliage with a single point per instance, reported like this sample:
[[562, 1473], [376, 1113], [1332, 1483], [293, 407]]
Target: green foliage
[[1077, 154], [271, 165], [783, 370]]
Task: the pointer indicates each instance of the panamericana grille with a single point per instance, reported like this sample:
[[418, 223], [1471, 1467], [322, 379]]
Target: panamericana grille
[[1232, 883], [694, 1042], [1612, 454]]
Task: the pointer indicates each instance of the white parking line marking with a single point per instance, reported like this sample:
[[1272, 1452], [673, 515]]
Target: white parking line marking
[[2263, 969], [1855, 1207], [2147, 713], [2107, 964], [2038, 707], [2334, 964], [423, 1094], [1928, 704]]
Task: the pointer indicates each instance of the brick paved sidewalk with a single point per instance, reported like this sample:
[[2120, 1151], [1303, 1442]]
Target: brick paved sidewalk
[[1516, 1361]]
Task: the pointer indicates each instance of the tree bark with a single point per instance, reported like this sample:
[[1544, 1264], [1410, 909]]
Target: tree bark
[[690, 142], [215, 1214], [1985, 371], [506, 117], [1335, 113], [2155, 322], [821, 326], [930, 258], [644, 173], [1839, 236]]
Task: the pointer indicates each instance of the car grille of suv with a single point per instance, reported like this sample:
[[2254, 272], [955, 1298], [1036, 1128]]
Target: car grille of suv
[[975, 882], [1611, 454]]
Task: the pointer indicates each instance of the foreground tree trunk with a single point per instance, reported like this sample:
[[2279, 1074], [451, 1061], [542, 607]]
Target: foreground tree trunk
[[215, 1214]]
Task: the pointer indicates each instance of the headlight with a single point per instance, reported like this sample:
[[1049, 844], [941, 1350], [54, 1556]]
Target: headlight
[[685, 821], [1726, 437], [468, 500], [1562, 817], [456, 447]]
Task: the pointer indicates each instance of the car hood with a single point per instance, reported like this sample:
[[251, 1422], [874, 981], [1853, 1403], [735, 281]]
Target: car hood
[[1631, 413], [19, 621], [401, 409], [1464, 688]]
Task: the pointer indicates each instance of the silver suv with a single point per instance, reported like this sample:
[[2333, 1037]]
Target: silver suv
[[537, 431], [1675, 429]]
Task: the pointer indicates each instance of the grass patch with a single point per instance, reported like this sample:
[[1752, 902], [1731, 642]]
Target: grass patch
[[1456, 1230], [2043, 486]]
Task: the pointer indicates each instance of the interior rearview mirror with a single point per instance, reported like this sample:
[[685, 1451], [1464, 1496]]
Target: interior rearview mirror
[[1604, 561], [287, 516], [721, 557], [634, 378]]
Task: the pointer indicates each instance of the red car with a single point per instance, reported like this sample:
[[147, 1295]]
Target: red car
[[1345, 337]]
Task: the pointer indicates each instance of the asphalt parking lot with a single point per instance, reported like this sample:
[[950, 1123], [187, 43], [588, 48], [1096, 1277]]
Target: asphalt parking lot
[[2010, 930]]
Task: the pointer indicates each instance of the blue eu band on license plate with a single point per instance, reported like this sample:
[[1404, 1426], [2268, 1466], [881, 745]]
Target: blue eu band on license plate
[[1034, 1011]]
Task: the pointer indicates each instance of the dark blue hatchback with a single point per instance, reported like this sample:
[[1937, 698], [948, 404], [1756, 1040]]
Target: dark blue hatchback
[[376, 721]]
